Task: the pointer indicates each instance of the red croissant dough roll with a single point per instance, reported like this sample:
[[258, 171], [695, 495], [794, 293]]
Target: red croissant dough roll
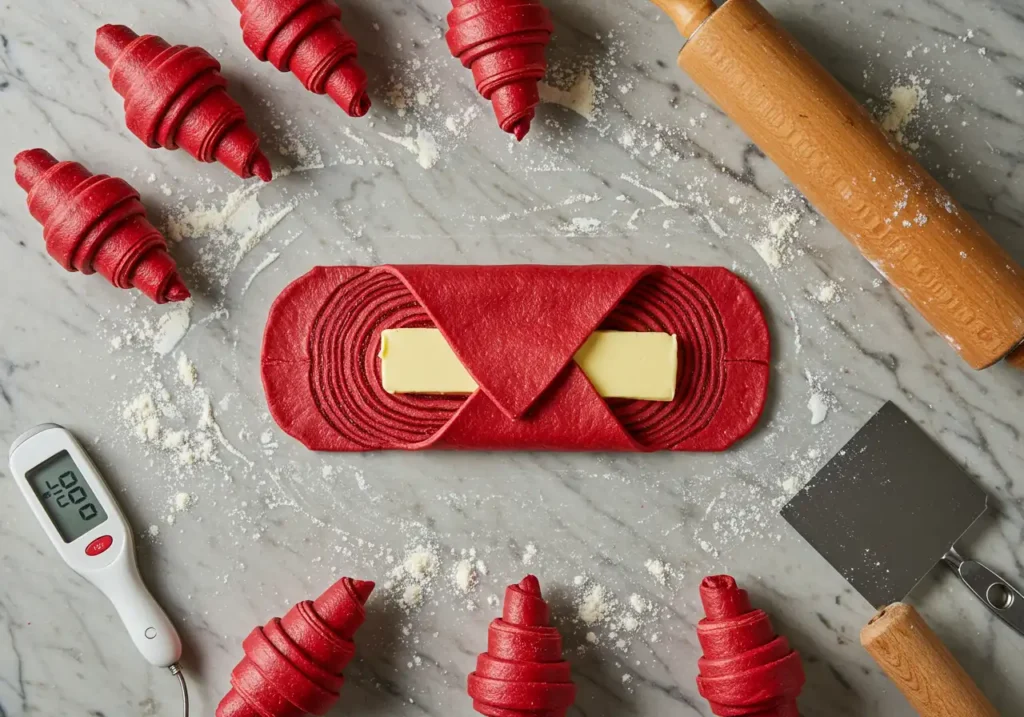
[[515, 329], [292, 666], [97, 223], [747, 670], [306, 37], [176, 97], [522, 674], [503, 42]]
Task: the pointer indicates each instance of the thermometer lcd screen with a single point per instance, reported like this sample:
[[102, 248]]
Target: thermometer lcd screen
[[66, 496]]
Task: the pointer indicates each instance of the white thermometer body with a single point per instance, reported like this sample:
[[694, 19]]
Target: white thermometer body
[[72, 502]]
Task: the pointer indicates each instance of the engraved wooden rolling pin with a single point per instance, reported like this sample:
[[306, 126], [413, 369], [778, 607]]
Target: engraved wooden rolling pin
[[901, 219]]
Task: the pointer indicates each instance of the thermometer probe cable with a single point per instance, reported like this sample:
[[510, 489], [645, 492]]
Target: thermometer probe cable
[[176, 671]]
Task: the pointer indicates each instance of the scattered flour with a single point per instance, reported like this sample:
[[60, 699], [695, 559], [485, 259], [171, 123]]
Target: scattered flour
[[775, 243], [658, 570], [580, 96], [827, 293], [424, 146], [818, 406], [529, 554], [820, 400], [230, 229], [904, 102], [187, 374], [465, 576], [171, 327], [587, 226], [595, 605]]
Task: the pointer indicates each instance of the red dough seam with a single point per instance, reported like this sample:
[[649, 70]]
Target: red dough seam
[[503, 43], [522, 674], [176, 97], [746, 669], [95, 223], [306, 38], [293, 665]]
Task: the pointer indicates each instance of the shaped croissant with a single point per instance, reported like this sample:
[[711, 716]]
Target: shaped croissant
[[292, 665], [97, 223], [176, 97], [306, 38], [503, 42], [746, 669], [522, 674]]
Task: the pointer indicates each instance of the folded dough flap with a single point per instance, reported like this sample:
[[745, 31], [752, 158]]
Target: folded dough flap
[[516, 328]]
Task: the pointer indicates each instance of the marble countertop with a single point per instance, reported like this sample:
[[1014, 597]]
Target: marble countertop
[[628, 162]]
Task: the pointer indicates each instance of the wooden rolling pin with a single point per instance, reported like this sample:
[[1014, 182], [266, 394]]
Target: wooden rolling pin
[[928, 675], [874, 192]]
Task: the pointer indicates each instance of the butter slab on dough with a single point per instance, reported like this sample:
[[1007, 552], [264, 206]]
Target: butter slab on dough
[[631, 364], [421, 361], [620, 364]]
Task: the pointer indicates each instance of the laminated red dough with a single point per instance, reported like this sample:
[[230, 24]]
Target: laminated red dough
[[516, 330], [97, 223], [292, 665], [503, 43], [746, 670], [522, 674], [306, 38], [176, 97]]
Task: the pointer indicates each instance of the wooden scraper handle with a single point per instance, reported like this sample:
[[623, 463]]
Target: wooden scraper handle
[[917, 236], [927, 674]]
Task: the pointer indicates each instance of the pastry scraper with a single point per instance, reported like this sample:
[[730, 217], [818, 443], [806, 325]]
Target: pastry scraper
[[888, 507]]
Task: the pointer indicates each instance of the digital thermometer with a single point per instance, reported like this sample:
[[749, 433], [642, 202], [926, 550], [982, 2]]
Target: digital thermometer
[[72, 502]]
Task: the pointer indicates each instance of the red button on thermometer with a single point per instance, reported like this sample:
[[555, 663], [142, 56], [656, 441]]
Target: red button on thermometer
[[68, 496]]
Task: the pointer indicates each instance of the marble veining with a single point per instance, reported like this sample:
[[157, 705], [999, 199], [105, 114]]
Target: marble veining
[[652, 172]]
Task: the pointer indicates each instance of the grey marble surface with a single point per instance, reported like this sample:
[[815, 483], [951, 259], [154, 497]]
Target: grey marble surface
[[655, 173]]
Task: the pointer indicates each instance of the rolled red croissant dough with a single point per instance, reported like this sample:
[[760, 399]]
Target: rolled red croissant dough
[[515, 329]]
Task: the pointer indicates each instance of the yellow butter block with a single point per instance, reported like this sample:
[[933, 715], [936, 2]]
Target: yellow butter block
[[631, 364], [421, 361], [620, 364]]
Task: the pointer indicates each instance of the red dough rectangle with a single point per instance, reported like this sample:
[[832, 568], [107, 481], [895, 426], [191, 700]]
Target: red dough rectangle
[[515, 329]]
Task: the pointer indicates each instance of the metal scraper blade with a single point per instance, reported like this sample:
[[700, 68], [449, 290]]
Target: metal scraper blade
[[887, 507]]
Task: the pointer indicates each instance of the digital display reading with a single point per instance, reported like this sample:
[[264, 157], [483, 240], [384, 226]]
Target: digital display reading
[[66, 496]]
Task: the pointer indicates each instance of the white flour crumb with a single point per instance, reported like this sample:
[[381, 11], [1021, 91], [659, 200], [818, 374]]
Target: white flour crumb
[[904, 101], [657, 569], [775, 243], [818, 407], [827, 293], [154, 531], [142, 417], [420, 564], [582, 225], [580, 97], [594, 606], [638, 604], [465, 576], [529, 554], [820, 400], [412, 596], [183, 501], [171, 327], [187, 373], [493, 601]]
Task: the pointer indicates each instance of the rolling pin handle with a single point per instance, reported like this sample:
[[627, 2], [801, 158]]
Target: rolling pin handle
[[924, 670], [687, 14], [1016, 357]]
